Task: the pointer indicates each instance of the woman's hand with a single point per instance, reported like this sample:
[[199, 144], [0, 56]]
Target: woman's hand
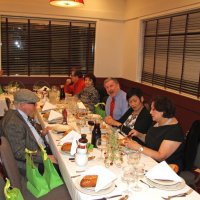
[[131, 144], [133, 133]]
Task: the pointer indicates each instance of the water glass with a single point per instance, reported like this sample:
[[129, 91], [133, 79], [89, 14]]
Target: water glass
[[127, 177]]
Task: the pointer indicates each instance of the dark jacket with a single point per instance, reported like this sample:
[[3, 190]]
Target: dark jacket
[[19, 135]]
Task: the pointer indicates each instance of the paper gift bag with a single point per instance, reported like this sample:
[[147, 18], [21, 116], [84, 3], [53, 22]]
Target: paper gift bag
[[100, 109], [36, 183], [12, 193], [50, 174]]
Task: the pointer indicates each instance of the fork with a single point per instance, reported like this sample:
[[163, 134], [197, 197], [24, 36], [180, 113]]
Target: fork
[[150, 186], [179, 195]]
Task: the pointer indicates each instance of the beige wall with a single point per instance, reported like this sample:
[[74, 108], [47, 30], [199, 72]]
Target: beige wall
[[118, 36], [108, 14], [136, 12], [109, 49]]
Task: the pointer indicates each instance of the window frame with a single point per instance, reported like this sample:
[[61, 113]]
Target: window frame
[[152, 73]]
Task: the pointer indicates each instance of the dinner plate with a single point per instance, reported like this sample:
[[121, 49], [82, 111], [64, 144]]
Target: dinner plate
[[177, 186], [91, 191], [65, 152], [164, 182]]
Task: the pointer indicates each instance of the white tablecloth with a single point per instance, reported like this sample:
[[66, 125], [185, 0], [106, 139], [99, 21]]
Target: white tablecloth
[[69, 168]]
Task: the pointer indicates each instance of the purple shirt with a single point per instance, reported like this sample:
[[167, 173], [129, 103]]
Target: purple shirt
[[121, 105]]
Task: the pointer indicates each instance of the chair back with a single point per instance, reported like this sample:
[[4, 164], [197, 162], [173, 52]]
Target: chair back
[[192, 146], [197, 158], [9, 163]]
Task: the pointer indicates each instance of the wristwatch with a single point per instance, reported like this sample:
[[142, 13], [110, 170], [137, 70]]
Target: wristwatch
[[141, 149]]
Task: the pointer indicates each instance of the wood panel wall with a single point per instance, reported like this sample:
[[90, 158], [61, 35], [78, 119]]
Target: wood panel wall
[[187, 109]]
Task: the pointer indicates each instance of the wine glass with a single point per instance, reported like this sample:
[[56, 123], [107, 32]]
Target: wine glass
[[134, 158], [127, 177], [138, 174], [101, 144]]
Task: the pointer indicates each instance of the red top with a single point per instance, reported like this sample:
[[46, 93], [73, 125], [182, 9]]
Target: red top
[[76, 87]]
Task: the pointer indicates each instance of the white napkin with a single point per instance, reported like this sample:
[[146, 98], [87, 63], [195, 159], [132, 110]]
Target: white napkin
[[53, 115], [72, 137], [43, 88], [163, 171], [81, 105], [105, 176], [48, 106], [69, 137], [61, 128]]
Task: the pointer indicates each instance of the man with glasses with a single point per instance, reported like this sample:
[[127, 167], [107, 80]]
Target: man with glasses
[[76, 84], [18, 128]]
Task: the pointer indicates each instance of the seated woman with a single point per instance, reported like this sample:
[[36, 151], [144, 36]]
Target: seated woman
[[164, 140], [89, 95], [136, 117]]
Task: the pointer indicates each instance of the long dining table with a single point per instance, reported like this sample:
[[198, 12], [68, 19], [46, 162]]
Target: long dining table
[[69, 169]]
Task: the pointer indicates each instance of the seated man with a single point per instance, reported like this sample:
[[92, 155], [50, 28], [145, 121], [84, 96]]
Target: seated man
[[18, 128], [76, 84], [116, 104]]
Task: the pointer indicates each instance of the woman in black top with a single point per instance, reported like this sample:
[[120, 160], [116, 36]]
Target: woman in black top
[[136, 117], [165, 140]]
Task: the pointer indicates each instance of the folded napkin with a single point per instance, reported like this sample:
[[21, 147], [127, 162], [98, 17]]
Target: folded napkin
[[44, 88], [81, 105], [61, 128], [162, 171], [53, 115], [72, 137], [105, 176], [48, 106]]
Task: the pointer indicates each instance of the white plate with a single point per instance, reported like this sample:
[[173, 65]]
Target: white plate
[[177, 186], [164, 182], [91, 191], [65, 152]]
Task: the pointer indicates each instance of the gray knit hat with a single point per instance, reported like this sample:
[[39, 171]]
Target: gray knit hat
[[25, 96]]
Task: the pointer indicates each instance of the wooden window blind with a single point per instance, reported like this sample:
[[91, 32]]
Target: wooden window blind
[[171, 54], [35, 46]]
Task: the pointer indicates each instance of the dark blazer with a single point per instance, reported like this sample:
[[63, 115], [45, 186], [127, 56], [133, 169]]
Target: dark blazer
[[143, 121], [20, 136], [142, 124]]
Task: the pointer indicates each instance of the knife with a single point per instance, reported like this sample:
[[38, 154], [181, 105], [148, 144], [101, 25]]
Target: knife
[[89, 158], [105, 198]]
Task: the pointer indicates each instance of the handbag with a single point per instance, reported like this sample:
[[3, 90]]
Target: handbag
[[50, 174], [12, 193], [36, 183], [100, 109]]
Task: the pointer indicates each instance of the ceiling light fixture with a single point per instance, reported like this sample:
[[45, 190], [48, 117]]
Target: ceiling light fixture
[[67, 3]]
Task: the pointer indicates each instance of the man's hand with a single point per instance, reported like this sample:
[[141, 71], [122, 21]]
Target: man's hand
[[53, 159], [45, 131]]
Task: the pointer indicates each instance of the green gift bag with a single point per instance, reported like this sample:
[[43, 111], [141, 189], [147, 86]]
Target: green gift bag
[[50, 174], [12, 193], [100, 109], [36, 183]]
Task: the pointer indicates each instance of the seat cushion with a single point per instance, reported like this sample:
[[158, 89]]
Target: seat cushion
[[2, 184]]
